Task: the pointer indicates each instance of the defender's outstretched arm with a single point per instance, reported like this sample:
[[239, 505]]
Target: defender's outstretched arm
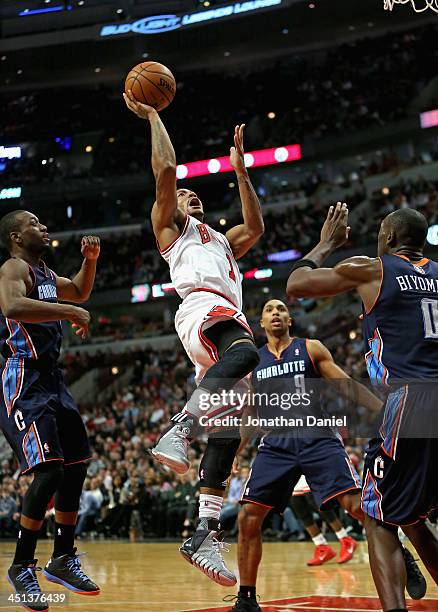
[[353, 273]]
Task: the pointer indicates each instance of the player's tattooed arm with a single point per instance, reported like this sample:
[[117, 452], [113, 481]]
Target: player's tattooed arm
[[243, 236], [16, 282], [78, 289], [329, 370], [360, 273], [165, 215]]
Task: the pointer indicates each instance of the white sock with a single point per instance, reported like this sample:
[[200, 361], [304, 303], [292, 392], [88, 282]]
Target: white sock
[[342, 533], [199, 403], [210, 506], [319, 540]]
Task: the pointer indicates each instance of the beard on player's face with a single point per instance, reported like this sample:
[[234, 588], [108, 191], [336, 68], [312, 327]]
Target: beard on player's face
[[382, 241]]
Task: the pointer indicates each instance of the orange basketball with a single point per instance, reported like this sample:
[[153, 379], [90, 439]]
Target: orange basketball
[[151, 83]]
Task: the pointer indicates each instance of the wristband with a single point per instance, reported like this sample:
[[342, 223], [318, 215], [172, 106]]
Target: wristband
[[304, 263]]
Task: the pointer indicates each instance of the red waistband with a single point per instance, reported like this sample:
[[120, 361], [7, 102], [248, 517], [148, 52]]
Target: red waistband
[[215, 293]]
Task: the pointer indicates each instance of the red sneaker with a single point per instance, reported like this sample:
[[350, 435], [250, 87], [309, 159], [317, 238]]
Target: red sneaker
[[348, 546], [322, 554]]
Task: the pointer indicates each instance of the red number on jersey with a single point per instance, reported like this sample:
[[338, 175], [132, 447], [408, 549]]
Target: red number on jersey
[[203, 232], [222, 310], [231, 272]]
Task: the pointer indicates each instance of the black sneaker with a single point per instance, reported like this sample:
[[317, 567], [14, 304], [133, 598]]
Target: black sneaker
[[23, 578], [416, 583], [243, 604], [66, 570]]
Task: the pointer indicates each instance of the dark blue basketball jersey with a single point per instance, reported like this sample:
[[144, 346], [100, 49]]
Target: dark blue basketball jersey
[[288, 386], [35, 341], [401, 329]]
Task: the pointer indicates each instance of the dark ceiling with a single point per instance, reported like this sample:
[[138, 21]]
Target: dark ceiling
[[223, 45]]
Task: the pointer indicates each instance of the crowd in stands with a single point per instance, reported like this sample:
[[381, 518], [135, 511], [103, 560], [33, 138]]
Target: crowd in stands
[[335, 92]]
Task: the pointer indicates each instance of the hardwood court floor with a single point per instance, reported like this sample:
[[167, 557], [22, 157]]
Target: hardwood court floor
[[154, 577]]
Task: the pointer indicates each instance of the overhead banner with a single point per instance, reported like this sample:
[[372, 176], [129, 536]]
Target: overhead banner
[[157, 24], [253, 159]]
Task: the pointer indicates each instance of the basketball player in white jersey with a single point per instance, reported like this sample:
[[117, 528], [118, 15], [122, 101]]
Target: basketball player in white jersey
[[209, 322]]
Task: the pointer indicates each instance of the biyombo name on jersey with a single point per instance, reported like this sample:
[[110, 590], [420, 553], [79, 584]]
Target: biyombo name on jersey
[[47, 292], [413, 282]]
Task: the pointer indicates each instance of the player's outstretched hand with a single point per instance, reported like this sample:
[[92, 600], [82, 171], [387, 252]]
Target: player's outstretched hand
[[335, 230], [235, 470], [237, 153], [141, 110], [80, 320], [90, 247]]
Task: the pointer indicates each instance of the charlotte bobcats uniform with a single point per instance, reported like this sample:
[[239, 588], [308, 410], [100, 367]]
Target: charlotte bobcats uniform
[[38, 415], [283, 457], [401, 344], [206, 276]]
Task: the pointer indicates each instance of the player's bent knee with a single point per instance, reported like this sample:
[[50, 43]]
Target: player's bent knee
[[249, 354], [68, 495], [48, 475], [76, 473], [216, 464], [251, 519], [47, 478], [350, 502], [302, 510]]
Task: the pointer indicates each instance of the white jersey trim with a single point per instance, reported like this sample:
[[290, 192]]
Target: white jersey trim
[[172, 244]]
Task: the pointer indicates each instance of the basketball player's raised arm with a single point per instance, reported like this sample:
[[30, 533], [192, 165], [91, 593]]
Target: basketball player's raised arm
[[15, 282], [328, 369], [355, 273], [78, 289], [242, 237], [164, 211]]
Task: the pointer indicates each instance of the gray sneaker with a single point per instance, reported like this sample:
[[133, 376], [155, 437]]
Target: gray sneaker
[[203, 550], [171, 448]]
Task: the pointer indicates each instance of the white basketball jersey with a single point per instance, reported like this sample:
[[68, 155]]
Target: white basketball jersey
[[201, 259]]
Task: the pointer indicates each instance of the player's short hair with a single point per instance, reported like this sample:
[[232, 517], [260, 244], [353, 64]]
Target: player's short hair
[[410, 227], [274, 299], [9, 223]]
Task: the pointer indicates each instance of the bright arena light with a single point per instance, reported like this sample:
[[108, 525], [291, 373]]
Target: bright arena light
[[140, 293], [214, 166], [432, 235], [429, 119], [281, 154], [10, 192], [249, 160], [10, 152], [181, 172]]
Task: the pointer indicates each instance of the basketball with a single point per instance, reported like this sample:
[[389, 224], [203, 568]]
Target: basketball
[[151, 83]]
